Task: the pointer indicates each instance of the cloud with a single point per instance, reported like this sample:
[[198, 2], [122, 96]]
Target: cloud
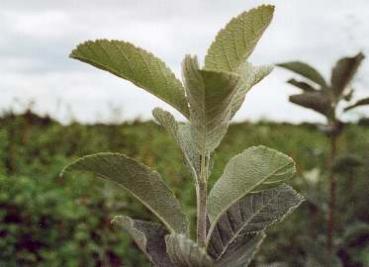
[[37, 37]]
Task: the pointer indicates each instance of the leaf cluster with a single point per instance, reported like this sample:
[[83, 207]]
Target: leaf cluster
[[322, 96], [249, 196]]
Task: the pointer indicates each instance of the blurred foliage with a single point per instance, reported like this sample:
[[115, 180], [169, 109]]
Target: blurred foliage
[[49, 221]]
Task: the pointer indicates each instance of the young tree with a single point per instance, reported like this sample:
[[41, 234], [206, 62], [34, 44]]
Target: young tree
[[247, 198], [325, 97]]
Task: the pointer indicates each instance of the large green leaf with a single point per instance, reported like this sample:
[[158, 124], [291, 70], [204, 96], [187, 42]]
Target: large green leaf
[[136, 65], [184, 252], [305, 70], [234, 44], [181, 132], [210, 95], [343, 73], [314, 100], [247, 172], [361, 102], [149, 237], [243, 254], [143, 183], [248, 217]]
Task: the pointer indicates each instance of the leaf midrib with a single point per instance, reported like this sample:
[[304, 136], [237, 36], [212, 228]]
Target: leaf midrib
[[237, 199], [244, 225]]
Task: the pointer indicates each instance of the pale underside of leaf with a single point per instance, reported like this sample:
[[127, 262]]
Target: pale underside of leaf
[[306, 71], [143, 183], [181, 133], [244, 253], [135, 65], [317, 101], [249, 76], [245, 173], [149, 237], [234, 44], [184, 252], [361, 102], [343, 73], [210, 96], [249, 216]]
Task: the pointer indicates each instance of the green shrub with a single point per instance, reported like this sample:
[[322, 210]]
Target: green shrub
[[45, 222]]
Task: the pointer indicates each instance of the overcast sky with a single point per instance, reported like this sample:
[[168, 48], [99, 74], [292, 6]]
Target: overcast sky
[[37, 36]]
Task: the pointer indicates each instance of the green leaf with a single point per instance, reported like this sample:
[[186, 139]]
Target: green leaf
[[234, 44], [210, 95], [248, 217], [302, 85], [343, 73], [247, 172], [136, 65], [305, 70], [149, 237], [181, 133], [143, 183], [185, 253], [313, 100], [361, 102], [249, 76], [242, 255]]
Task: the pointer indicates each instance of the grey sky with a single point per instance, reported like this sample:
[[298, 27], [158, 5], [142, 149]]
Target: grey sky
[[37, 36]]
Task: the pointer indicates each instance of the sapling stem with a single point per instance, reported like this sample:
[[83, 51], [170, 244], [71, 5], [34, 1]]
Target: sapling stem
[[202, 207], [332, 192]]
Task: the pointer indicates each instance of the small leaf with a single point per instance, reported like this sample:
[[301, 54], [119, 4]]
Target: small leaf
[[302, 85], [245, 173], [181, 132], [305, 70], [136, 65], [343, 73], [143, 183], [234, 44], [149, 237], [185, 253], [242, 255], [249, 216], [249, 76], [314, 100], [361, 102], [210, 95]]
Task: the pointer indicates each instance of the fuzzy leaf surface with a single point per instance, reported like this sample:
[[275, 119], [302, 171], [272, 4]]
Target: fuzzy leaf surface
[[135, 65], [234, 44], [186, 253], [249, 76], [181, 133], [313, 100], [248, 217], [244, 253], [143, 183], [247, 172], [305, 70], [210, 95], [343, 73], [361, 102], [149, 237]]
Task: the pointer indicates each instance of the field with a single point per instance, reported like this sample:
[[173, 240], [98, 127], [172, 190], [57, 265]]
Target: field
[[48, 220]]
